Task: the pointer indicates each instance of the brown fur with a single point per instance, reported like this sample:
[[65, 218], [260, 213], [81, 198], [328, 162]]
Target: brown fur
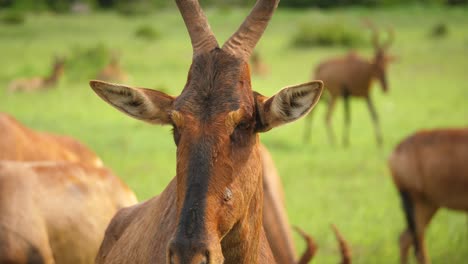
[[39, 83], [352, 76], [212, 211], [20, 143], [430, 170], [56, 212]]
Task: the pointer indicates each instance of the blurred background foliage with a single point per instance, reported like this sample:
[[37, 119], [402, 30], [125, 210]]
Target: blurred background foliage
[[142, 6]]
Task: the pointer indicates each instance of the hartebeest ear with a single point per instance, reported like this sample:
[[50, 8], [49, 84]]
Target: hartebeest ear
[[145, 104], [289, 104]]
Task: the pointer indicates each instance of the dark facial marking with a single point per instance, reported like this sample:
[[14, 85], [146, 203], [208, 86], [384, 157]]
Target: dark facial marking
[[198, 175]]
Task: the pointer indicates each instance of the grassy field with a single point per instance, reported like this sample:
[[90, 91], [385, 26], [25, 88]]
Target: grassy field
[[324, 184]]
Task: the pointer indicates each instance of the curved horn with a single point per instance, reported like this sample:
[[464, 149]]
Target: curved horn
[[344, 247], [375, 32], [197, 25], [242, 43], [390, 39], [311, 247]]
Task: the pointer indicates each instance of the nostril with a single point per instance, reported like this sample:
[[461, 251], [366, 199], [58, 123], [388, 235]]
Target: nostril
[[171, 257], [204, 261], [206, 258]]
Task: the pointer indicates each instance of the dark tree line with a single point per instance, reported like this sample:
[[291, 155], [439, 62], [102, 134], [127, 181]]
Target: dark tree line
[[64, 5]]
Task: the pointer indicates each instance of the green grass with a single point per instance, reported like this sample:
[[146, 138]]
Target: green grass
[[349, 187]]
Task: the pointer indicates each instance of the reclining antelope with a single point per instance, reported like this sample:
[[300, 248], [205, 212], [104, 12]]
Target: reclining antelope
[[56, 212], [212, 211], [56, 200], [352, 76], [20, 143], [430, 170], [39, 83]]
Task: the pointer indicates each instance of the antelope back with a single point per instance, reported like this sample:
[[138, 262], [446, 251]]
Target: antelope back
[[20, 143], [432, 165]]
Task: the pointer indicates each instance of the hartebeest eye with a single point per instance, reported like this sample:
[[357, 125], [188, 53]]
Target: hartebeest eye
[[177, 123], [243, 125], [176, 135], [241, 134]]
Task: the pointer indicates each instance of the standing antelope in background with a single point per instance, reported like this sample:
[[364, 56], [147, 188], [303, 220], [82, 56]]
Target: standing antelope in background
[[113, 71], [39, 83], [56, 212], [430, 170], [212, 211], [352, 76]]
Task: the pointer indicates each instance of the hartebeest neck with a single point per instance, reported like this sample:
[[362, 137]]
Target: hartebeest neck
[[242, 243]]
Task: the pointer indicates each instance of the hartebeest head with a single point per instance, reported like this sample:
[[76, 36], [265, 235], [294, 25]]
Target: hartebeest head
[[216, 120], [381, 58]]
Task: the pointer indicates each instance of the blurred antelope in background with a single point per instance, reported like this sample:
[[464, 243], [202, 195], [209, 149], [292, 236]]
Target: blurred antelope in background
[[259, 67], [56, 212], [39, 83], [430, 170], [113, 71], [20, 143], [211, 212], [56, 199], [352, 76]]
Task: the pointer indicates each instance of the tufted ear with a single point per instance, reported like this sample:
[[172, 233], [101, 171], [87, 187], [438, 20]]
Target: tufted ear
[[289, 104], [145, 104]]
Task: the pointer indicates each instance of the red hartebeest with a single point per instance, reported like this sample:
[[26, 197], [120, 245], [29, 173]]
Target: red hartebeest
[[352, 76], [56, 212], [430, 170], [39, 83], [19, 143], [212, 211], [113, 72]]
